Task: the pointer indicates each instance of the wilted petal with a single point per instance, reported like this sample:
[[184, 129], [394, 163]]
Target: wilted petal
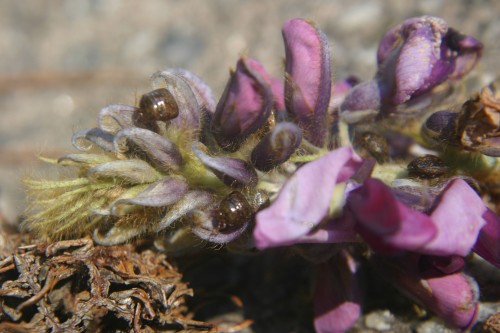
[[185, 98], [162, 153], [305, 199], [192, 200], [362, 103], [162, 193], [117, 234], [488, 241], [232, 171], [115, 117], [308, 77], [83, 140], [384, 222], [245, 105], [458, 218], [128, 171], [276, 146], [336, 298], [453, 297]]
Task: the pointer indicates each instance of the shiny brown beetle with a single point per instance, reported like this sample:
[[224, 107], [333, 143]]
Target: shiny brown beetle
[[156, 105], [233, 210], [428, 166]]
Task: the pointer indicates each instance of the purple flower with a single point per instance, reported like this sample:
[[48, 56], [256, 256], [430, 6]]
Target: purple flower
[[244, 106], [308, 77], [413, 58]]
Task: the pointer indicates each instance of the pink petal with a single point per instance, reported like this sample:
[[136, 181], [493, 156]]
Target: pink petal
[[337, 298], [305, 198], [384, 222], [458, 218], [488, 242]]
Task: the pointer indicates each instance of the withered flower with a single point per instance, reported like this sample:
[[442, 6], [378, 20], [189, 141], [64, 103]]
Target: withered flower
[[77, 286]]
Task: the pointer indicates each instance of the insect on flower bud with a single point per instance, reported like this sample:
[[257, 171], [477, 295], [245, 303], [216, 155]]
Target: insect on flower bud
[[157, 105]]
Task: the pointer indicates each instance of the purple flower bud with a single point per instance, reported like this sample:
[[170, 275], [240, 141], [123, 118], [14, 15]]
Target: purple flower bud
[[305, 199], [337, 296], [83, 140], [232, 171], [161, 152], [441, 127], [277, 146], [278, 89], [421, 53], [308, 77], [488, 242], [244, 106], [362, 103], [162, 193], [453, 297]]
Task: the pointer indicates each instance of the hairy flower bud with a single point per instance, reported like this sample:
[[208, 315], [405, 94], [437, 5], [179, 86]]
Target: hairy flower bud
[[244, 106], [421, 53], [277, 146], [308, 77]]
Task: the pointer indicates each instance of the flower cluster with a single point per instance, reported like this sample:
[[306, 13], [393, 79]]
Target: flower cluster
[[304, 160]]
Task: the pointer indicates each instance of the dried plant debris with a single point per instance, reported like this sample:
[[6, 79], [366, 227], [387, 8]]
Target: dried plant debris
[[76, 286]]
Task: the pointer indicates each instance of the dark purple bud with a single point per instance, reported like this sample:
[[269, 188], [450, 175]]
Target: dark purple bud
[[308, 77], [162, 193], [421, 53], [488, 241], [232, 171], [224, 223], [479, 121], [362, 103], [161, 152], [441, 128], [245, 105], [116, 117], [277, 146], [184, 96], [84, 140]]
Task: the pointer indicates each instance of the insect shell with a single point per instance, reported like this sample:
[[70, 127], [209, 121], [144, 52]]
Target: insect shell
[[156, 105], [233, 210]]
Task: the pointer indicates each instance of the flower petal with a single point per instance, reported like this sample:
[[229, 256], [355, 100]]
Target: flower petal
[[488, 242], [384, 222], [336, 298], [162, 153], [232, 171], [129, 171], [362, 103], [115, 117], [458, 218], [83, 140], [308, 77], [162, 193], [305, 199], [453, 297]]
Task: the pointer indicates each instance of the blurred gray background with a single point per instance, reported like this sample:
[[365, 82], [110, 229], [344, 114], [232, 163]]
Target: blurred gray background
[[62, 60]]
